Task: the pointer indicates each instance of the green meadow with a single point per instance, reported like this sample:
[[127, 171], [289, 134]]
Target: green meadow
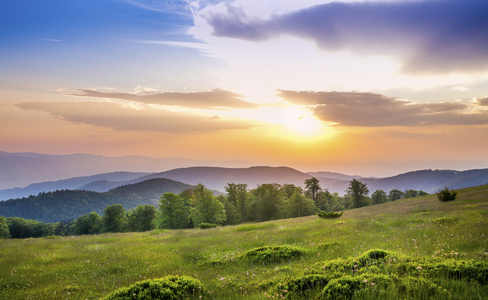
[[426, 249]]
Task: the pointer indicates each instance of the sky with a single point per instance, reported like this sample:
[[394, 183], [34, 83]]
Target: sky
[[372, 88]]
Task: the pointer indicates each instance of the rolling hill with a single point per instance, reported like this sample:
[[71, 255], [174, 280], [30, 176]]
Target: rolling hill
[[216, 178], [69, 204], [21, 169]]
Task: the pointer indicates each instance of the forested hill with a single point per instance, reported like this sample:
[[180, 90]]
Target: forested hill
[[69, 184], [70, 204]]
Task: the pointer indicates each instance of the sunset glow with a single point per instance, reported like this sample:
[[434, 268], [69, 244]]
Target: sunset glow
[[345, 86]]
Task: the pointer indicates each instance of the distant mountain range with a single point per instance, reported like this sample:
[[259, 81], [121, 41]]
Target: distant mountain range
[[22, 169], [216, 178]]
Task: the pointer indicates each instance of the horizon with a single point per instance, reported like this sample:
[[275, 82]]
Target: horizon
[[312, 85]]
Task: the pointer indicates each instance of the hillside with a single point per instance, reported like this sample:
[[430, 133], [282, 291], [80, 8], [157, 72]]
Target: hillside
[[420, 235], [76, 183], [69, 204], [216, 178]]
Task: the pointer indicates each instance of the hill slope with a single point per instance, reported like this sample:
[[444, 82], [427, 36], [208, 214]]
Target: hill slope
[[423, 234], [69, 204], [75, 183]]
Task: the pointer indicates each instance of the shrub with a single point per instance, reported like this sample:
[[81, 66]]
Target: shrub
[[342, 288], [443, 220], [207, 225], [329, 215], [273, 253], [373, 256], [446, 195], [169, 287], [300, 286]]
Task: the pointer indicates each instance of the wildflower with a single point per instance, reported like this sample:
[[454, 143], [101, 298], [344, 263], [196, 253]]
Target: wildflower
[[371, 283], [419, 268], [365, 280]]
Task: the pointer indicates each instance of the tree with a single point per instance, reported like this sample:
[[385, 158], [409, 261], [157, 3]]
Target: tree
[[206, 208], [324, 200], [312, 187], [395, 195], [268, 202], [411, 193], [96, 222], [142, 218], [114, 218], [446, 194], [174, 214], [300, 205], [82, 225], [379, 196], [4, 231], [232, 217], [237, 195], [358, 192]]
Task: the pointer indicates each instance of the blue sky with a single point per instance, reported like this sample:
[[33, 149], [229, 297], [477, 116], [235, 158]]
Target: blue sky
[[350, 86]]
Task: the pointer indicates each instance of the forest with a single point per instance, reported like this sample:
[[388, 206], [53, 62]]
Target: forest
[[198, 207]]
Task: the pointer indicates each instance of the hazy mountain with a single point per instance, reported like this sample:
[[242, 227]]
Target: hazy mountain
[[332, 175], [22, 169], [69, 184], [429, 180], [69, 204], [217, 178]]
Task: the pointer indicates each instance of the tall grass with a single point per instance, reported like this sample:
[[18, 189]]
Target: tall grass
[[90, 267]]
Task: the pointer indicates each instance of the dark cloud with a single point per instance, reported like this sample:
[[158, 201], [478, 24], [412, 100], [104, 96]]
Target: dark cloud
[[482, 101], [375, 110], [428, 36], [214, 99], [121, 117]]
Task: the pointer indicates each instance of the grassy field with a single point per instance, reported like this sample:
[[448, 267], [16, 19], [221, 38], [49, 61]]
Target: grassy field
[[419, 232]]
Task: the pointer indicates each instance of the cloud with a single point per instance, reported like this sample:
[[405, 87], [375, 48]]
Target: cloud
[[214, 99], [482, 101], [426, 36], [375, 110], [120, 117]]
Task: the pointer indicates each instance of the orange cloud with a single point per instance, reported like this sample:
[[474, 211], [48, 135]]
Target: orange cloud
[[120, 117]]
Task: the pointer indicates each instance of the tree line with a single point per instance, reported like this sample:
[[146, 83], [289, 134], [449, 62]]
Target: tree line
[[196, 206]]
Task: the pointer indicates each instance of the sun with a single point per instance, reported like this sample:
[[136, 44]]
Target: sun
[[306, 126]]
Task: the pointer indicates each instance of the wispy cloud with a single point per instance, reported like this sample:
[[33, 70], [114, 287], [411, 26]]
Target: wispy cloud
[[174, 6], [376, 110], [52, 40], [426, 36], [122, 117], [214, 99]]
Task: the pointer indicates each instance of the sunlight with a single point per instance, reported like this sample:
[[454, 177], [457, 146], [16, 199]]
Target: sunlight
[[307, 126]]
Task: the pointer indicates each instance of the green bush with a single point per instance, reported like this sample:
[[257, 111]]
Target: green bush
[[446, 195], [273, 253], [207, 225], [169, 287], [342, 288], [301, 286], [444, 220], [329, 215], [373, 256]]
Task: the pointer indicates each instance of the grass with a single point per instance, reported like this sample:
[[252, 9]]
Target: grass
[[415, 230]]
